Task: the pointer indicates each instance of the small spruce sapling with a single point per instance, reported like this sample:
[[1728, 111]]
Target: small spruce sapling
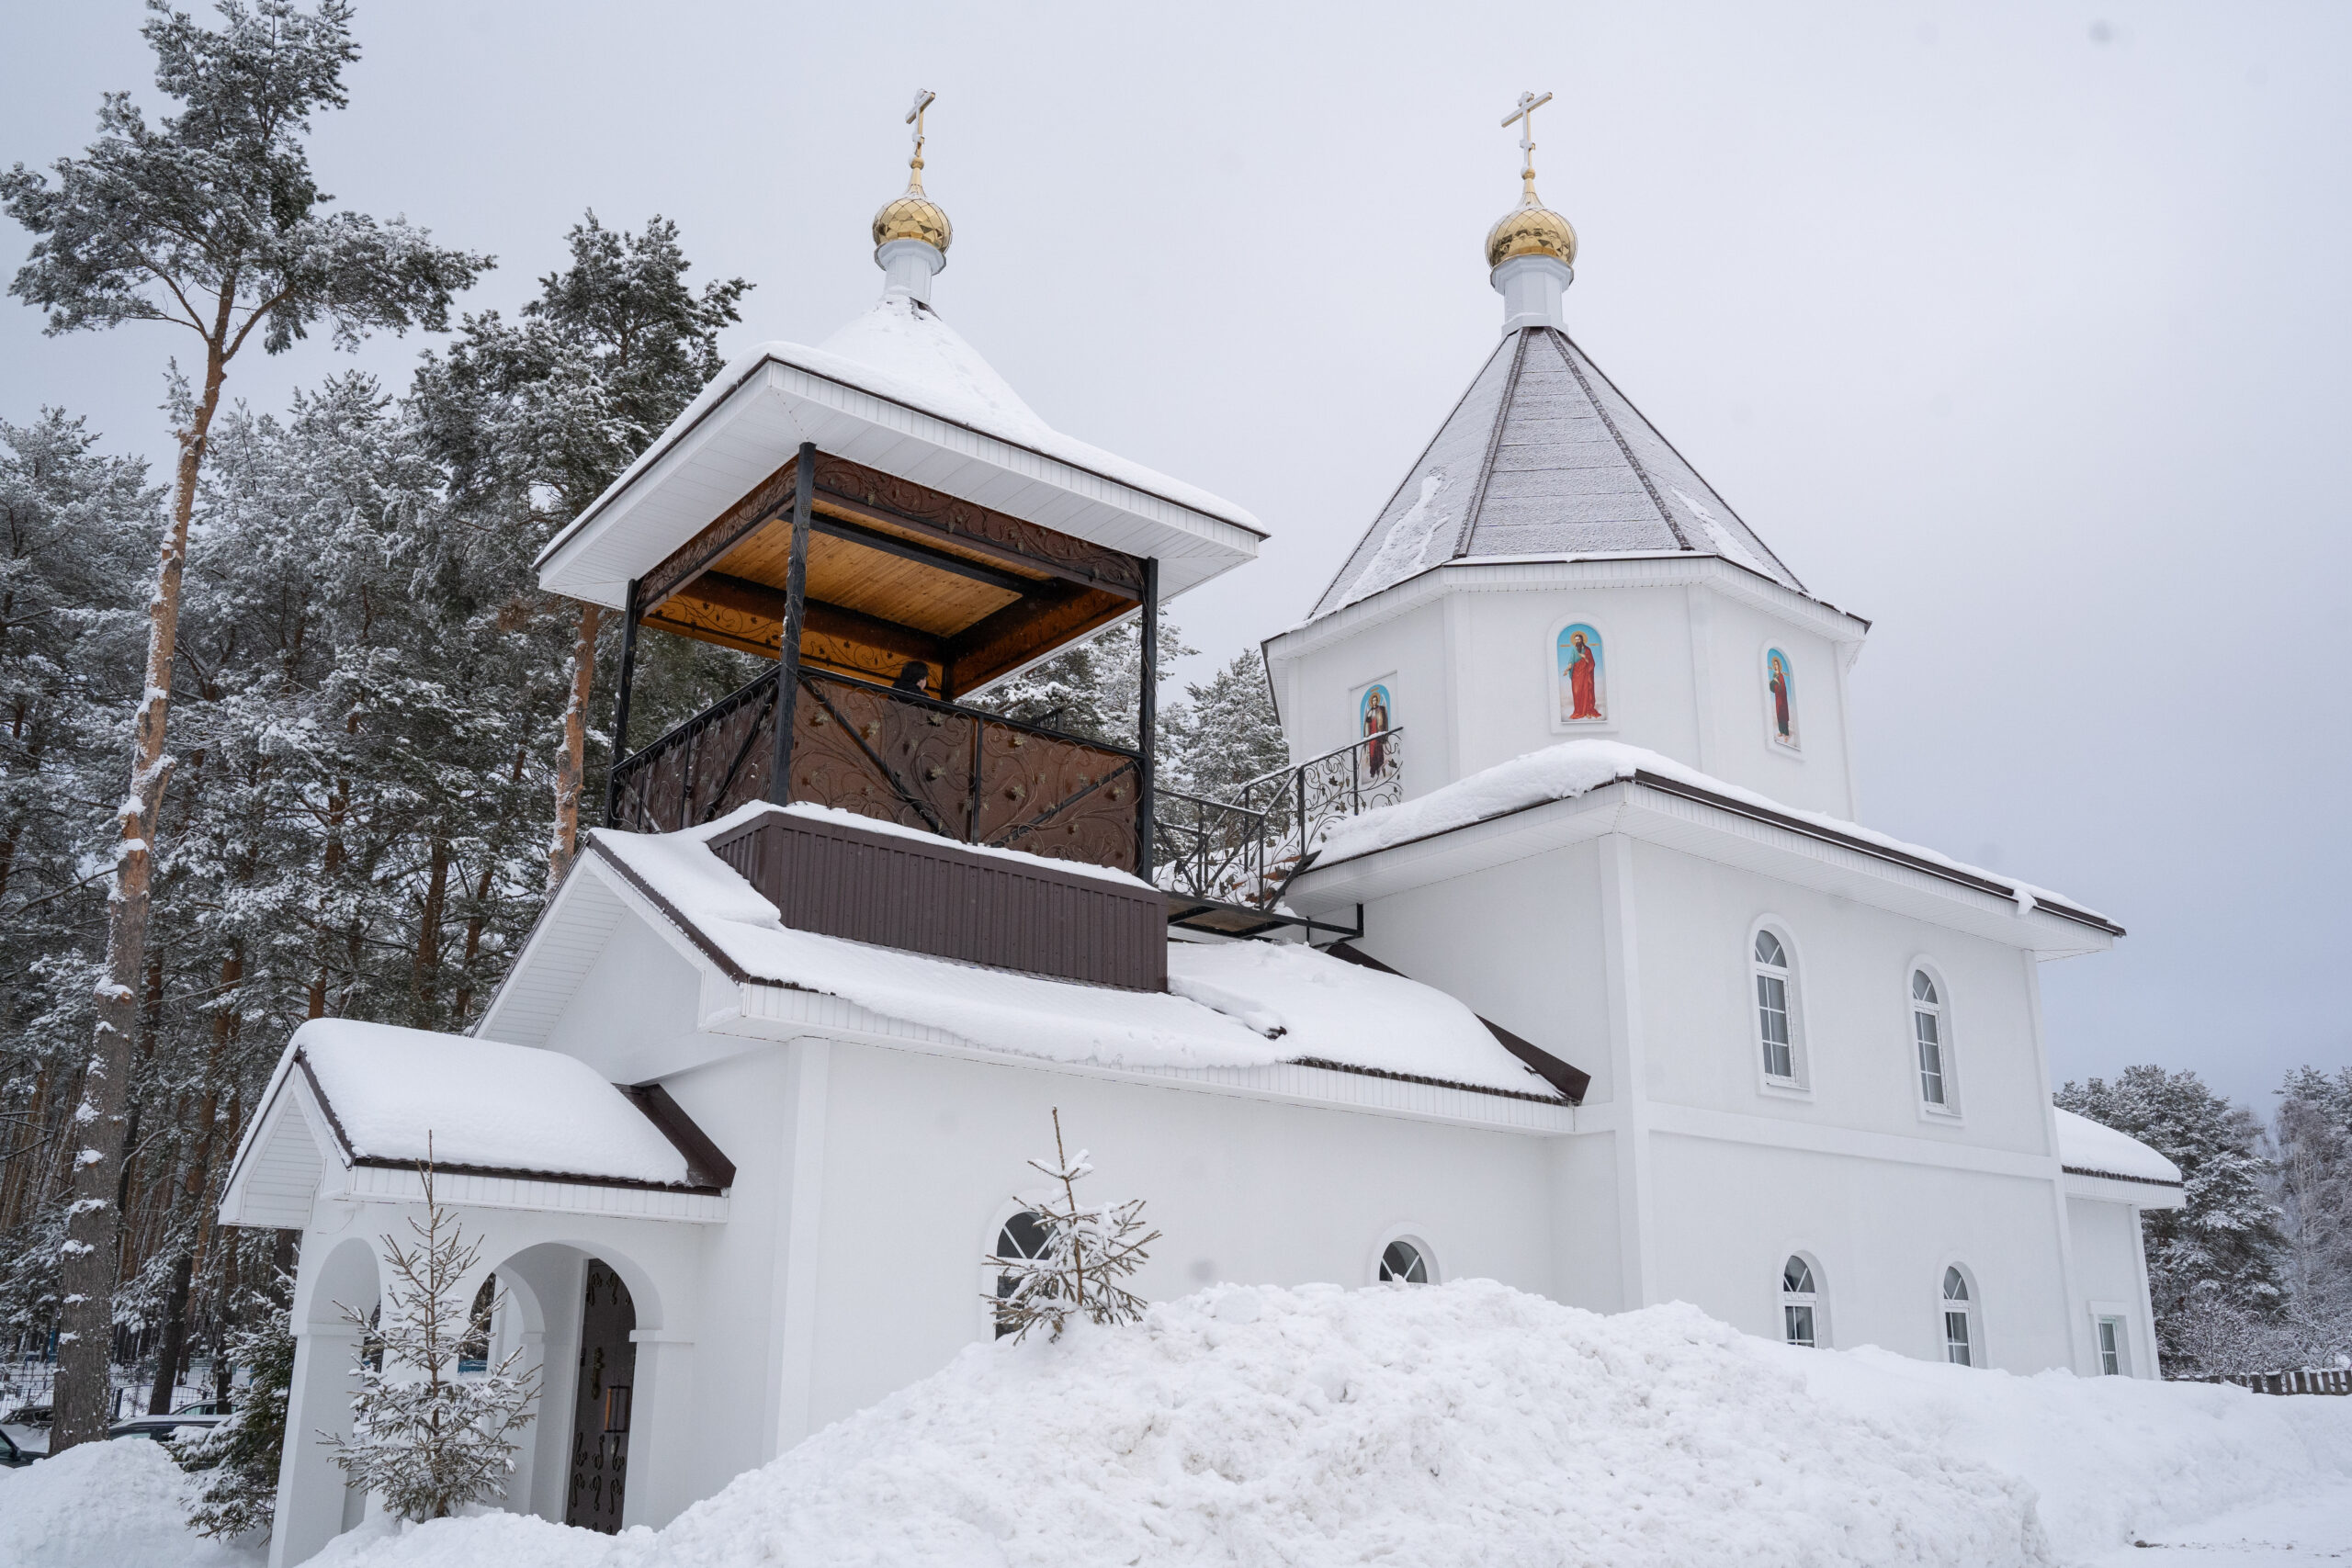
[[428, 1441], [236, 1463], [1088, 1251]]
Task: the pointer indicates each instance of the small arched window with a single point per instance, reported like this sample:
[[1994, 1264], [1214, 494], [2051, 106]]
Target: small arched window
[[1773, 1030], [1402, 1262], [1800, 1303], [1960, 1313], [1932, 1040], [1022, 1235]]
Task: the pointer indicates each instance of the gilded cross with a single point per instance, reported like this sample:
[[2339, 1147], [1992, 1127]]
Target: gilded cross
[[923, 98], [1524, 118]]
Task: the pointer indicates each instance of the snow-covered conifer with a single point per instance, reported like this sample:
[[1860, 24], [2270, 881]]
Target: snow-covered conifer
[[236, 1463], [424, 1438], [1088, 1251], [2214, 1264], [1227, 734]]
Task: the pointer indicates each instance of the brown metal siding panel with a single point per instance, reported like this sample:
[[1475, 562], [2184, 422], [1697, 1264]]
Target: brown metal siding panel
[[837, 880]]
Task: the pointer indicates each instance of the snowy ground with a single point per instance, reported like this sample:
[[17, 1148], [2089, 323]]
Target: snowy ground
[[1407, 1426]]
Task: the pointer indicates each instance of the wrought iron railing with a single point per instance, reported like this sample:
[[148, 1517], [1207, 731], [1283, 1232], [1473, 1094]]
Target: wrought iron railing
[[1245, 849], [898, 756]]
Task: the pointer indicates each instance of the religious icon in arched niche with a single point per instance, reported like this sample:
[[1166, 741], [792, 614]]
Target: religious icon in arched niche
[[1780, 698], [1584, 678], [1375, 716]]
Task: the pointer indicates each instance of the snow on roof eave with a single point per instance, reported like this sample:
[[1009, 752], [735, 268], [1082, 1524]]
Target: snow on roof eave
[[1605, 765], [726, 441]]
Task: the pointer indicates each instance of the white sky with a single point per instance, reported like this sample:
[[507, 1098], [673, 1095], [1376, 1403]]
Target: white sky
[[2021, 329]]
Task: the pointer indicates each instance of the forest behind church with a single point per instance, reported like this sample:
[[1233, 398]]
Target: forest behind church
[[380, 727]]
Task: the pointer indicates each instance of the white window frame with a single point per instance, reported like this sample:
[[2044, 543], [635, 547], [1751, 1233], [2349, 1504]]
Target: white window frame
[[1417, 1237], [1946, 1036], [1971, 1311], [1798, 1083], [1605, 725], [1817, 1299], [2126, 1347], [1030, 1203]]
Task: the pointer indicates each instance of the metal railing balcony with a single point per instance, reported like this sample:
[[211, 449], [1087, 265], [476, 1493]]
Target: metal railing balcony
[[1245, 849], [898, 756]]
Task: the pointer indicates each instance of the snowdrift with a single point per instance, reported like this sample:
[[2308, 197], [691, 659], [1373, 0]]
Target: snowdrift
[[1424, 1424], [1439, 1425], [119, 1505]]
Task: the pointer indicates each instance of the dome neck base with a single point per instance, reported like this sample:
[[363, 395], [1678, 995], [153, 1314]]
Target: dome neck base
[[908, 266], [1532, 288]]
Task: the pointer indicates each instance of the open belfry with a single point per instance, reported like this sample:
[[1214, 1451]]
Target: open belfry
[[1556, 954]]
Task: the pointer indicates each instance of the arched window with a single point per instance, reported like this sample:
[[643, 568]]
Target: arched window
[[1022, 1235], [1402, 1262], [1800, 1303], [1774, 1033], [1960, 1312], [1933, 1041]]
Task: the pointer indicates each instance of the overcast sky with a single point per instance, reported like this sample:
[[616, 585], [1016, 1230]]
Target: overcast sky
[[2021, 330]]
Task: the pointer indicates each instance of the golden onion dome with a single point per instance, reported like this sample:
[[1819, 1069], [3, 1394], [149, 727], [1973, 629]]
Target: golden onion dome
[[912, 214], [1531, 229]]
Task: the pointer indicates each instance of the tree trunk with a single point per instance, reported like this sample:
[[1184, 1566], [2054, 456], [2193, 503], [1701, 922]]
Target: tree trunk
[[425, 969], [94, 1221], [194, 1185], [572, 768]]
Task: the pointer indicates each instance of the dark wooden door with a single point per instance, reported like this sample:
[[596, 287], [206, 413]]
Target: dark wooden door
[[600, 1419]]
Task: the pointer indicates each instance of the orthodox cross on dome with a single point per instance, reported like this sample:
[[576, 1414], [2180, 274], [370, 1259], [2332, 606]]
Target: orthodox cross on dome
[[1524, 118], [924, 97]]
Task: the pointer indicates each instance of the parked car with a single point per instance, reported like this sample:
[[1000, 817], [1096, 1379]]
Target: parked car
[[178, 1424], [12, 1456]]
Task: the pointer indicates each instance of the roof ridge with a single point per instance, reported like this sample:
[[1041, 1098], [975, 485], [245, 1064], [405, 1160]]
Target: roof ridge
[[1668, 441], [1411, 470], [1494, 443], [1624, 447]]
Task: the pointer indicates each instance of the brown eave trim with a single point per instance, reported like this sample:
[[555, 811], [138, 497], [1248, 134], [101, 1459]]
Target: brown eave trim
[[1643, 777], [671, 912], [2118, 1176], [1331, 1066], [562, 1178], [1570, 1080], [707, 1165]]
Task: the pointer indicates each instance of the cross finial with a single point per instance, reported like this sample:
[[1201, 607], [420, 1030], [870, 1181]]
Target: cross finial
[[923, 99], [1524, 118]]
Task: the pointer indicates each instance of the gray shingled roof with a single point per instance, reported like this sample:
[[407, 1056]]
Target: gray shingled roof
[[1545, 456]]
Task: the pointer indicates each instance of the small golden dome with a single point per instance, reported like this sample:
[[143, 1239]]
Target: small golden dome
[[1531, 229], [913, 216]]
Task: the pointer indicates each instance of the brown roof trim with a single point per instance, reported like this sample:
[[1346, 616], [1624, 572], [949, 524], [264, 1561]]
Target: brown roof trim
[[2118, 1176], [1570, 1081], [1331, 1066], [671, 912], [1797, 824], [700, 1184], [705, 1164]]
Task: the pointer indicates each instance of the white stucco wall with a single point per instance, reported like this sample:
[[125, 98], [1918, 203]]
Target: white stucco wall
[[2109, 1274]]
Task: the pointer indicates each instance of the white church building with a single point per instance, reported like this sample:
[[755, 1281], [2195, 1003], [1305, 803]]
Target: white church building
[[1560, 957]]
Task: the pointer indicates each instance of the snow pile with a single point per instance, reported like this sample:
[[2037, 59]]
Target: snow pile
[[486, 1104], [1579, 767], [116, 1504], [2086, 1144], [1323, 1009], [1320, 1426]]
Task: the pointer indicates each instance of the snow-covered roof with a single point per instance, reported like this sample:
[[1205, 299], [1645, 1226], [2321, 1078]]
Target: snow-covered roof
[[1544, 457], [1574, 768], [484, 1106], [898, 389], [2091, 1149], [1240, 1005]]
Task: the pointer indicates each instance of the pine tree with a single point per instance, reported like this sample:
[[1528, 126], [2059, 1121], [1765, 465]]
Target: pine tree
[[237, 1462], [2312, 1131], [535, 417], [1227, 733], [1088, 1251], [2215, 1264], [1093, 688], [424, 1439], [209, 221]]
